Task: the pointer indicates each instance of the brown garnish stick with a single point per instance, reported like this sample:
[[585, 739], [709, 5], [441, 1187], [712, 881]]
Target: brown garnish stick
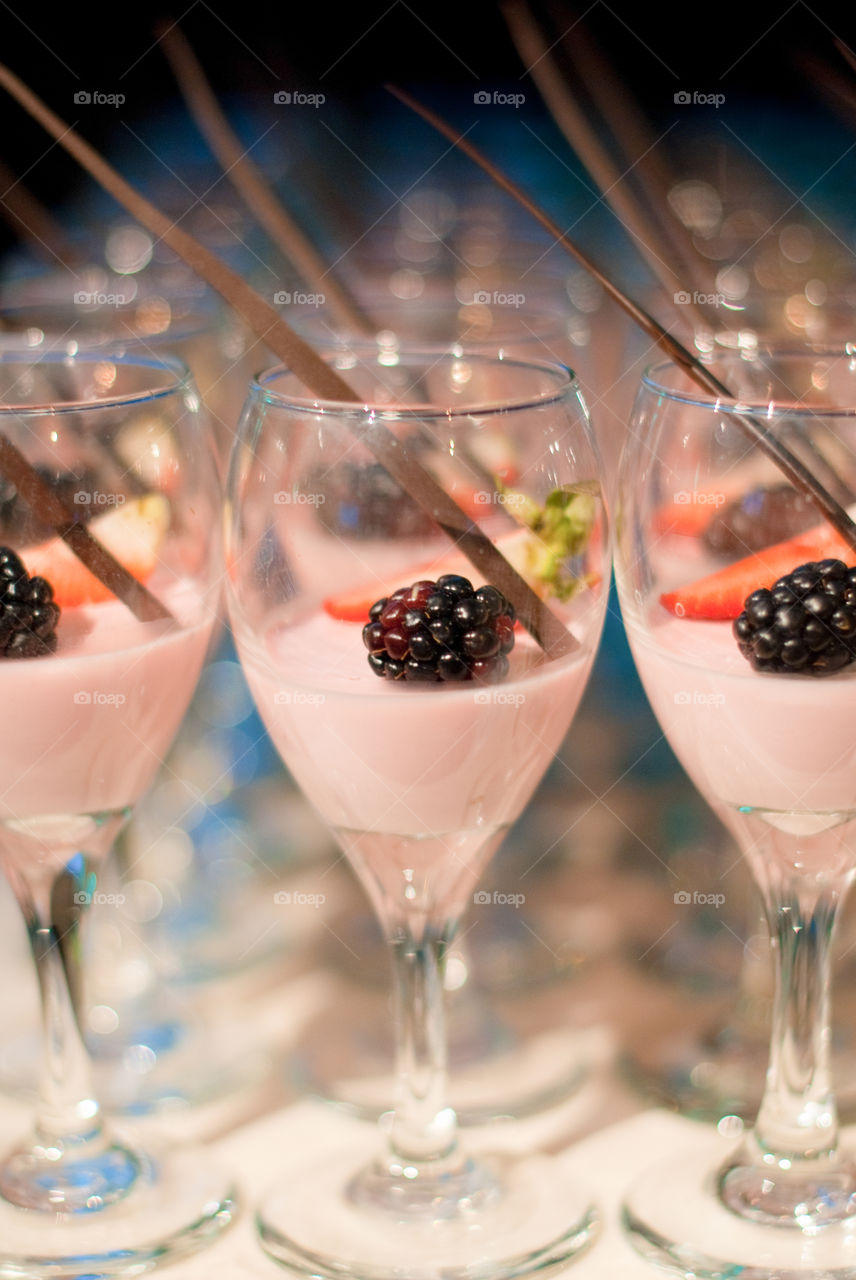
[[787, 462], [584, 141], [846, 53], [40, 497], [313, 372], [249, 182], [623, 117]]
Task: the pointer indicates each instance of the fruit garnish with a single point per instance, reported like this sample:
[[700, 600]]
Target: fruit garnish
[[443, 631], [806, 623], [354, 604], [762, 516], [21, 524], [28, 612], [689, 514], [561, 529], [362, 500], [719, 596], [132, 532]]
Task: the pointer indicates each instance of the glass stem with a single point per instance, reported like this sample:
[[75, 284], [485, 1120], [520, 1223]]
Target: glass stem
[[424, 1125], [798, 1117], [789, 1170], [53, 907]]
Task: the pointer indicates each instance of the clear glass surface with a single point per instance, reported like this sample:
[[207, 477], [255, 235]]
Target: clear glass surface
[[418, 782], [144, 309], [773, 754], [121, 444]]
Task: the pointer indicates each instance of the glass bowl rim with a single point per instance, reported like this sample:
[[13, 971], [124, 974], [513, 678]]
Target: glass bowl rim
[[566, 383], [181, 379], [737, 405]]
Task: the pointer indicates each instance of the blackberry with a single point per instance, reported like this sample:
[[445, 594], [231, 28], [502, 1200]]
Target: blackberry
[[760, 518], [28, 614], [20, 522], [805, 623], [443, 631], [362, 500]]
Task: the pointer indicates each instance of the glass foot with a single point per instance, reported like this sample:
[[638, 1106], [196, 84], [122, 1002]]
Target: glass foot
[[515, 1217], [675, 1220], [179, 1203]]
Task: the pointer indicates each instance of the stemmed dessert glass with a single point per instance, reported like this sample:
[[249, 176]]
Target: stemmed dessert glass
[[756, 693], [419, 762], [108, 456], [186, 1059]]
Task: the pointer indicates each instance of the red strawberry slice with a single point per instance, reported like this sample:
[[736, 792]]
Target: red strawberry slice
[[353, 606], [721, 595], [688, 518], [132, 533]]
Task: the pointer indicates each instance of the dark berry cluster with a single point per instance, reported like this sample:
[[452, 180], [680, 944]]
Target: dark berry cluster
[[364, 501], [759, 518], [443, 630], [28, 614], [21, 523], [805, 623]]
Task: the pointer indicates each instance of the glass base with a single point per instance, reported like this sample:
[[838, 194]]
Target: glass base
[[675, 1220], [180, 1203], [516, 1216]]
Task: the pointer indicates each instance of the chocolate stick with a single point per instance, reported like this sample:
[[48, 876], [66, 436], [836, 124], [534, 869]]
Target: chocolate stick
[[766, 440], [542, 623], [578, 131], [41, 498], [623, 118], [249, 182]]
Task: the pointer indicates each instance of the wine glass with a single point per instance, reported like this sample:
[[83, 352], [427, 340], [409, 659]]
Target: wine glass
[[502, 1061], [332, 507], [109, 454], [161, 1052], [758, 706]]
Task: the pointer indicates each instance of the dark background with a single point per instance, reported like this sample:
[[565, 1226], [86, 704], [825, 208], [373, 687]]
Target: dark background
[[757, 56]]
